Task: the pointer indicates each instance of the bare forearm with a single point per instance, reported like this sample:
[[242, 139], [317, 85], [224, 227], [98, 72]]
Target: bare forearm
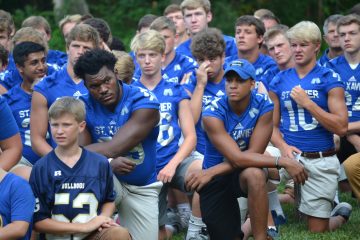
[[196, 102], [14, 230], [108, 209], [9, 158], [276, 138], [332, 122], [184, 150], [41, 146], [55, 227], [353, 127]]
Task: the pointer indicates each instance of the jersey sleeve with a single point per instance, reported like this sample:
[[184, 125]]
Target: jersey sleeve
[[8, 126], [42, 208], [267, 104], [215, 109], [333, 80], [274, 83], [142, 98], [22, 201]]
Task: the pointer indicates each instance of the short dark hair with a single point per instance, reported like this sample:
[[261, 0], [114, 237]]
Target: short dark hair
[[172, 8], [208, 43], [117, 44], [23, 49], [146, 21], [92, 61], [102, 27], [251, 20]]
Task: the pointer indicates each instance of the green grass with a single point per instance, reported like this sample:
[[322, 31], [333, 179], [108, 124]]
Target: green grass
[[294, 229]]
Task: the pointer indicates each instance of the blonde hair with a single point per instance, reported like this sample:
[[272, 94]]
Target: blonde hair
[[149, 40], [305, 31], [124, 66], [69, 105], [84, 33], [37, 22], [192, 4], [29, 34], [76, 18]]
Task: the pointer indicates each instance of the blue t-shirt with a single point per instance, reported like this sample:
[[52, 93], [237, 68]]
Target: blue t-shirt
[[231, 49], [239, 127], [17, 202], [74, 194], [299, 127], [103, 125], [8, 127], [169, 95], [351, 78], [20, 104], [211, 91], [176, 69]]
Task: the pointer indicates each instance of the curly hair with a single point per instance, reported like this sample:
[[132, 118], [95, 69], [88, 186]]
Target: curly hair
[[208, 43]]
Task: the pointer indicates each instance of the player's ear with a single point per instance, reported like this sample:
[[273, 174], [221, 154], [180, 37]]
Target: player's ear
[[209, 16], [82, 126]]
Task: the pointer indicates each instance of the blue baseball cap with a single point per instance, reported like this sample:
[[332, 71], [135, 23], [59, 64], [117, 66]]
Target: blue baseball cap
[[242, 67]]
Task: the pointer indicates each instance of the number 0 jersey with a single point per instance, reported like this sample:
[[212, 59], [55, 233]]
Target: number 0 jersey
[[299, 127], [72, 194]]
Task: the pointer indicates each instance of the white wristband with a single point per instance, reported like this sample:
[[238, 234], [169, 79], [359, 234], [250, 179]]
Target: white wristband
[[110, 159]]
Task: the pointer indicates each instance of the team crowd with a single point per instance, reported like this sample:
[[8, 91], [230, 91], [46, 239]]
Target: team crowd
[[192, 130]]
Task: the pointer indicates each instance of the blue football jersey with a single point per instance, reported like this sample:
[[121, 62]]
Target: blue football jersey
[[239, 127], [17, 202], [11, 78], [324, 59], [103, 125], [268, 76], [351, 78], [20, 104], [59, 85], [56, 58], [169, 95], [176, 69], [8, 127], [261, 65], [231, 49], [74, 194], [299, 127], [211, 91]]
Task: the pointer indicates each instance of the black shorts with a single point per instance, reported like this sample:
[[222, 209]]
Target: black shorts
[[346, 149], [220, 208]]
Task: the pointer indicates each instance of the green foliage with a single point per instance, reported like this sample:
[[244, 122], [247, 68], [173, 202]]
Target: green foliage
[[123, 15]]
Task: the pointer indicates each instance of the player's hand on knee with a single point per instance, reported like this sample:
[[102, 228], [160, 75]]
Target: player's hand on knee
[[196, 180], [96, 223], [295, 169], [167, 173]]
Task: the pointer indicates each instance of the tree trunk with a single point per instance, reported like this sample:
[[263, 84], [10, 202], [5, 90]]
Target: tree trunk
[[68, 7]]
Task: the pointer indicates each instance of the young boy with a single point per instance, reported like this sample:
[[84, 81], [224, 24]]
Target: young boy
[[73, 187]]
